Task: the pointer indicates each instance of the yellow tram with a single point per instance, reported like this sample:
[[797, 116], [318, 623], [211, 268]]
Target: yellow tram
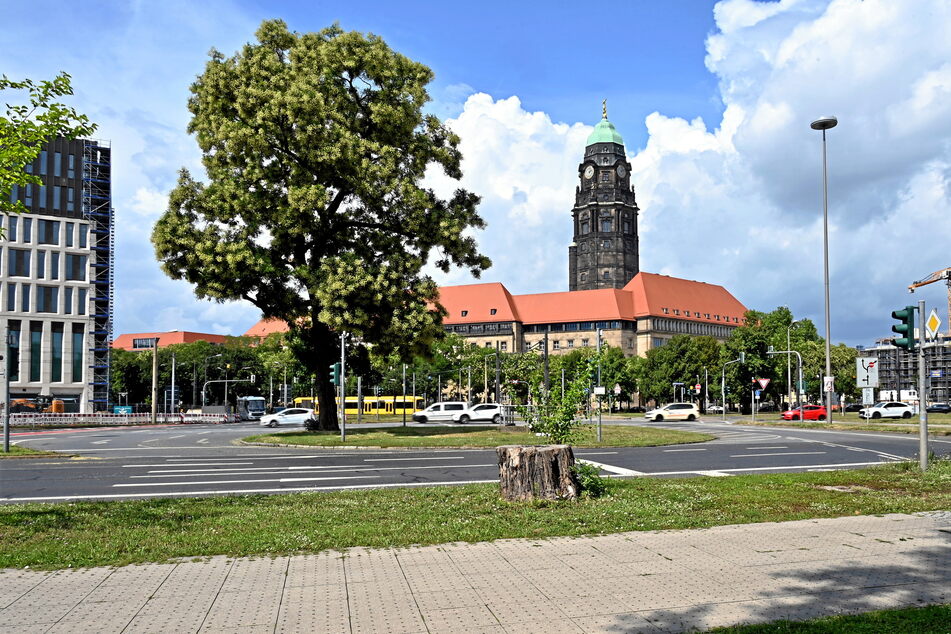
[[372, 405]]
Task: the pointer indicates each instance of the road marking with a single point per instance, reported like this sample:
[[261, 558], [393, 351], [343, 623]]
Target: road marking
[[783, 453], [676, 450], [398, 459], [99, 442], [319, 469], [178, 436], [191, 464], [110, 496], [777, 447], [612, 469], [875, 451], [831, 467], [172, 484], [715, 474], [202, 441]]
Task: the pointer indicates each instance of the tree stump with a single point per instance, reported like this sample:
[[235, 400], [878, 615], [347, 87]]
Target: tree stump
[[530, 472]]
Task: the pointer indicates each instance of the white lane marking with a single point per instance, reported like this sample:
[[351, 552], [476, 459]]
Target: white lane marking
[[345, 487], [715, 474], [597, 453], [777, 447], [99, 442], [151, 440], [782, 453], [202, 448], [612, 468], [676, 450], [802, 466], [178, 436], [320, 469], [202, 433], [192, 464], [202, 441], [172, 460], [398, 459], [874, 451], [172, 484]]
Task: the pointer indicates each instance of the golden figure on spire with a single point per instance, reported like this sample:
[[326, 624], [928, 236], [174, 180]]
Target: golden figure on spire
[[604, 108]]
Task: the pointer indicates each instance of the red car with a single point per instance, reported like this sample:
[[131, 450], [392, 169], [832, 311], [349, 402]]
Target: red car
[[813, 412]]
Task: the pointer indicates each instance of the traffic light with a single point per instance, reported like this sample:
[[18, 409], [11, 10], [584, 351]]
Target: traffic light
[[906, 328], [335, 373]]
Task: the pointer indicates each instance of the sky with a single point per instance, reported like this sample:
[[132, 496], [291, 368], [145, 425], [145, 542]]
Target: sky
[[713, 99]]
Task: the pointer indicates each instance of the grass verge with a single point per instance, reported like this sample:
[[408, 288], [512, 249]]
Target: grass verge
[[925, 620], [25, 452], [49, 536], [472, 436]]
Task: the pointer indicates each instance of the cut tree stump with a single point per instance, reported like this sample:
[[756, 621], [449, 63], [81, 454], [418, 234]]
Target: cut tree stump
[[537, 472]]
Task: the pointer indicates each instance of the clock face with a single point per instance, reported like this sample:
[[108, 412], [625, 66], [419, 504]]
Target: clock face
[[588, 172], [621, 171]]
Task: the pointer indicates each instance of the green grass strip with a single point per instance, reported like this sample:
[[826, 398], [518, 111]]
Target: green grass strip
[[925, 620], [49, 536], [24, 452], [474, 436]]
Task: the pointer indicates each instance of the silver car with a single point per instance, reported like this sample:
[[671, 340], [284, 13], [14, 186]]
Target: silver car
[[289, 416], [482, 411], [440, 412]]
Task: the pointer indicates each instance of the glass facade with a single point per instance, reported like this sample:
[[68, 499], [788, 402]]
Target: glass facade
[[77, 365], [56, 365], [36, 349], [13, 366]]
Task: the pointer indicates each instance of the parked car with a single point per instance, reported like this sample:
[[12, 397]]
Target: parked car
[[440, 412], [289, 416], [813, 412], [674, 411], [887, 409], [853, 407], [482, 411], [938, 408], [715, 409]]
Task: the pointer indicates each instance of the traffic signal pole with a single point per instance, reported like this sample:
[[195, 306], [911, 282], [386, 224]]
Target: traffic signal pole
[[922, 394], [343, 387]]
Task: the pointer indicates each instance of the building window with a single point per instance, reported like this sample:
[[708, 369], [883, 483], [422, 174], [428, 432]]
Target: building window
[[657, 342], [81, 307], [503, 346], [56, 350], [571, 343], [57, 191], [585, 227], [57, 164], [83, 229], [54, 265], [69, 233], [47, 299], [585, 343], [627, 226], [68, 300], [717, 317], [77, 353], [584, 277], [706, 315], [607, 225], [666, 311], [18, 262], [465, 312], [28, 227], [36, 349], [555, 345], [12, 228], [736, 320], [43, 158], [13, 327], [42, 196], [606, 176], [70, 196], [488, 344], [143, 343], [606, 275], [41, 264], [605, 244], [47, 231], [676, 312], [11, 297], [71, 166], [76, 267], [493, 311], [14, 193]]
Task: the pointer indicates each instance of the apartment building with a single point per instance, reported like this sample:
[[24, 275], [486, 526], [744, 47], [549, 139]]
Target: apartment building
[[56, 274]]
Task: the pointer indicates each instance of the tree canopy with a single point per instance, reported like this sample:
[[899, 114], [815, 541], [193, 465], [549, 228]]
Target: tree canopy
[[314, 147], [26, 126]]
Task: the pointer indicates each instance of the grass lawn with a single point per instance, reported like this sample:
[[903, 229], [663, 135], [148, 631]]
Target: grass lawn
[[927, 620], [24, 452], [612, 436], [49, 536]]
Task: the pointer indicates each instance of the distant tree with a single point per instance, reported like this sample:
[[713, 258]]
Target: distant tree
[[314, 146], [26, 126]]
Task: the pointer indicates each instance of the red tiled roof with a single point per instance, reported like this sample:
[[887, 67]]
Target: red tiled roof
[[266, 327], [653, 293], [597, 305], [477, 301], [166, 339]]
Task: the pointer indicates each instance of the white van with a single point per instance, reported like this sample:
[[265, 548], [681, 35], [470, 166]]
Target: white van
[[440, 412]]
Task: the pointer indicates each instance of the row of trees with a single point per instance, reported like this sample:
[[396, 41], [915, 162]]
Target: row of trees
[[454, 369]]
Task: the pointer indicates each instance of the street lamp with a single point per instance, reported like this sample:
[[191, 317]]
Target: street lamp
[[206, 378], [789, 361], [826, 123]]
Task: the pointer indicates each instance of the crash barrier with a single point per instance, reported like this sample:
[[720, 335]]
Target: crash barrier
[[29, 419]]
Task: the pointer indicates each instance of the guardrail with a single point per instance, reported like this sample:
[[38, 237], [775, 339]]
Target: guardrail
[[30, 419]]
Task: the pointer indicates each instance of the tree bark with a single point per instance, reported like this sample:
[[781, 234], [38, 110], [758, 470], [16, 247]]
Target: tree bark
[[529, 472]]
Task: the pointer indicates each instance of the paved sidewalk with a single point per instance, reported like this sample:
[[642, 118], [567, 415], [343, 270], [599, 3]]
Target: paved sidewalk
[[669, 581]]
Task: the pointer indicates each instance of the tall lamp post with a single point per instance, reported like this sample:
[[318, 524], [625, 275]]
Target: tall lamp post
[[826, 123], [789, 363]]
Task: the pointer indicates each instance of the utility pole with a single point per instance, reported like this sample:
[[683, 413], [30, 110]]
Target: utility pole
[[172, 398], [404, 395], [359, 399], [922, 390], [343, 386], [599, 384], [498, 370], [155, 341], [546, 362]]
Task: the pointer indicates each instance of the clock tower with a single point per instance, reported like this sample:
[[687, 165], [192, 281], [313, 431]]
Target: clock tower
[[604, 251]]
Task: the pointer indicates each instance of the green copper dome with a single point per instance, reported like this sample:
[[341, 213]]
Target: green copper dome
[[605, 132]]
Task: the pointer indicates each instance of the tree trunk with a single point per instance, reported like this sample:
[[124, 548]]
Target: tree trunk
[[529, 473], [319, 351]]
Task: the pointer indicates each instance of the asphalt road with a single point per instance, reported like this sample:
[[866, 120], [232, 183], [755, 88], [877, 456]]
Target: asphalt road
[[196, 460]]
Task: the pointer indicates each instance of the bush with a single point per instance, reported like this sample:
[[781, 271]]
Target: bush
[[589, 480]]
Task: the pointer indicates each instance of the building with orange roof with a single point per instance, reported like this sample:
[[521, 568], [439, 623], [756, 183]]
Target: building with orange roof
[[266, 326], [143, 340]]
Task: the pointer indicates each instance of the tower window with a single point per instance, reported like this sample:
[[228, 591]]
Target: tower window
[[605, 244], [606, 275], [584, 277], [607, 225], [606, 176], [627, 226], [585, 227]]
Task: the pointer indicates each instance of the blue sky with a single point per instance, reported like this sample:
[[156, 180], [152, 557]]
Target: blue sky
[[713, 100]]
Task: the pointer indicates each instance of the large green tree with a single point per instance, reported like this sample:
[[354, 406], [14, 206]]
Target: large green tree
[[314, 146], [27, 125]]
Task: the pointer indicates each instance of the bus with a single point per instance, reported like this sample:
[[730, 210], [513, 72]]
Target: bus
[[251, 407], [372, 405]]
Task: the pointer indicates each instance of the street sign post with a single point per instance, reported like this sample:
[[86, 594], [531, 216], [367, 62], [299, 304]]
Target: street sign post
[[868, 395], [617, 389], [763, 383], [828, 384], [866, 372]]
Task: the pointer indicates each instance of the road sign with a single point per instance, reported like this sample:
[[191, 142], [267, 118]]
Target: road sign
[[828, 384], [763, 383], [599, 390], [697, 386], [937, 374], [617, 389], [868, 395], [933, 323], [758, 393], [866, 372], [121, 409]]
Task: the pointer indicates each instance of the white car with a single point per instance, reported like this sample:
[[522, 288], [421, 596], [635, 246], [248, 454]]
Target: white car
[[289, 416], [482, 411], [887, 409], [440, 412], [674, 411]]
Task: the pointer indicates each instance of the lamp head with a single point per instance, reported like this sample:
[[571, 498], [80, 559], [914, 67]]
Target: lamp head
[[824, 123]]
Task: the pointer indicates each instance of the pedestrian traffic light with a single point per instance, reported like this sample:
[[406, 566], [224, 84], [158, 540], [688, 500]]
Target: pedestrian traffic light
[[906, 328], [335, 373]]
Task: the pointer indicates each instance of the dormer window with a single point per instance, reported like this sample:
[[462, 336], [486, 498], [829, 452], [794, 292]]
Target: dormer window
[[666, 311], [492, 311], [465, 312], [676, 312]]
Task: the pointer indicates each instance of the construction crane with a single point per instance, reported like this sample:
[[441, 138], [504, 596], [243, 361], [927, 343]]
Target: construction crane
[[937, 276]]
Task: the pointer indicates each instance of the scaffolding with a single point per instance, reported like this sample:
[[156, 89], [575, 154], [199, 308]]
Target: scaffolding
[[97, 209]]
